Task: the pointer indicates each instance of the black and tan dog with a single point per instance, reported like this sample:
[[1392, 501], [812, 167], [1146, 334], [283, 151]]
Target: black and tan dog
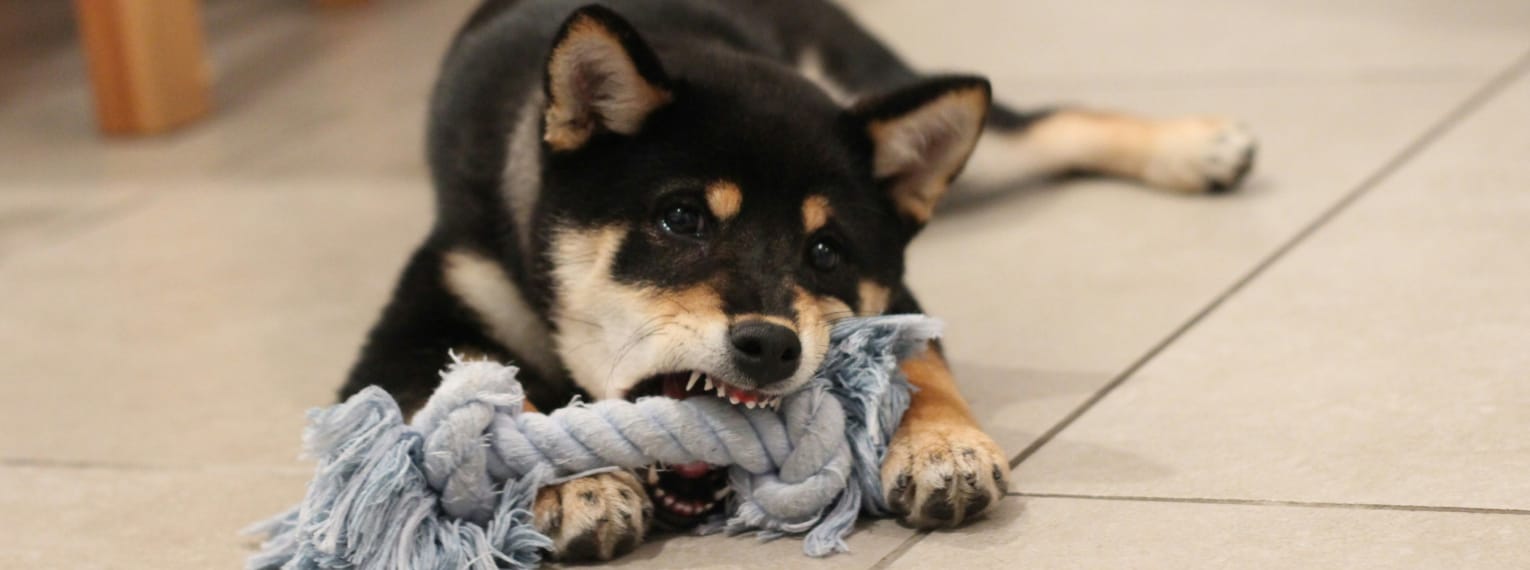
[[678, 197]]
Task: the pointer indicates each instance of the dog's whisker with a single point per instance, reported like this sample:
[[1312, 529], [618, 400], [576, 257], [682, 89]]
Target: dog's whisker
[[648, 329]]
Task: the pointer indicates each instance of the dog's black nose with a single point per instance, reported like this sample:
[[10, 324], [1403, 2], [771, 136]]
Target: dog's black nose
[[765, 352]]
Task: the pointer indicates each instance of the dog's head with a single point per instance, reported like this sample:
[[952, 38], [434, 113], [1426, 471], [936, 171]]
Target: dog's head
[[705, 217]]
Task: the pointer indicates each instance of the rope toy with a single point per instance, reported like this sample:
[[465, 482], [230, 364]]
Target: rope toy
[[453, 489]]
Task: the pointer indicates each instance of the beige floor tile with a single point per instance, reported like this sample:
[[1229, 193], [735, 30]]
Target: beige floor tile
[[197, 328], [869, 544], [138, 518], [1050, 291], [298, 92], [179, 300], [37, 214], [1167, 42], [1383, 361], [1081, 533], [61, 517]]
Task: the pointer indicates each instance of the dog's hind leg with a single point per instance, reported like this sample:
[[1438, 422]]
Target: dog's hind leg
[[1193, 155]]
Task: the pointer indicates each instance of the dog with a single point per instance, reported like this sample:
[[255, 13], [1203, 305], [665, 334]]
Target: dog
[[679, 197]]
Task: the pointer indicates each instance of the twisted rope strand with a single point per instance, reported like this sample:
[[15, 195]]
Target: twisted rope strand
[[454, 488]]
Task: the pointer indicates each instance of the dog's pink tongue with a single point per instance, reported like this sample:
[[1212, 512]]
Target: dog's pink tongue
[[692, 470]]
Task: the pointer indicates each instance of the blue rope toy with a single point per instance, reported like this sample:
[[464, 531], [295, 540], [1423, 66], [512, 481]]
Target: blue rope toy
[[454, 488]]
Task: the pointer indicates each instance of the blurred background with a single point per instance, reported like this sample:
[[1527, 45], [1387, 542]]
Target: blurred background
[[199, 221]]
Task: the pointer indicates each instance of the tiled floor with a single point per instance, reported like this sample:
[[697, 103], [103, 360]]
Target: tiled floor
[[1327, 370]]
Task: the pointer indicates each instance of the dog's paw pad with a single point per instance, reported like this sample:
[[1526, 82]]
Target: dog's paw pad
[[944, 476], [598, 517], [1200, 155]]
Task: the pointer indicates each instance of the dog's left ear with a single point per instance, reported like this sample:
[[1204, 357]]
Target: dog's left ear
[[601, 76], [921, 137]]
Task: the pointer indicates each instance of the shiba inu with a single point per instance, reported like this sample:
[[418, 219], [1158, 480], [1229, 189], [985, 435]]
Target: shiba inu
[[678, 198]]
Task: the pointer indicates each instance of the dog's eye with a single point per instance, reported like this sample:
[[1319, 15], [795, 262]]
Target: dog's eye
[[683, 220], [823, 255]]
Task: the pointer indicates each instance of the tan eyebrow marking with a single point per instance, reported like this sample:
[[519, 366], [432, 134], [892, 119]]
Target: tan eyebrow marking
[[815, 212], [724, 199]]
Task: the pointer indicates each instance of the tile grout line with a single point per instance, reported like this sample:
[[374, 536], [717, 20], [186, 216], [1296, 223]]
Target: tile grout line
[[1471, 104], [898, 551], [1476, 100], [1278, 503], [908, 543]]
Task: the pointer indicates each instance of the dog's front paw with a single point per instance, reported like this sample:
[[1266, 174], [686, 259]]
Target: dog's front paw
[[941, 476], [598, 517], [1200, 155]]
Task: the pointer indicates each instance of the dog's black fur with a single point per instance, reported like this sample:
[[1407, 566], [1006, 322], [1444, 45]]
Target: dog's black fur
[[722, 106], [723, 50]]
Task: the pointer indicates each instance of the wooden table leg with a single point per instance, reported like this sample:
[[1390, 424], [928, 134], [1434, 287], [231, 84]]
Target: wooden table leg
[[147, 62]]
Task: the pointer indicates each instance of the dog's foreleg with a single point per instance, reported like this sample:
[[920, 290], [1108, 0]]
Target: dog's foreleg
[[941, 468]]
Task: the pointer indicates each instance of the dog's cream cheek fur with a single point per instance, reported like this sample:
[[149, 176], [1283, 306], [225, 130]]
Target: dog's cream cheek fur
[[815, 315], [611, 335]]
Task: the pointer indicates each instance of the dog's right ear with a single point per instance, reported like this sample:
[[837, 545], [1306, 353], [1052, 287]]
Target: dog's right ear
[[600, 76]]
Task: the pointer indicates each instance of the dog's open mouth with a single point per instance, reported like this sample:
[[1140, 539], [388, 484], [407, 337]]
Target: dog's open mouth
[[684, 495]]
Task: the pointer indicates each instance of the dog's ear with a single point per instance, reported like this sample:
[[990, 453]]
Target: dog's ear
[[601, 76], [921, 137]]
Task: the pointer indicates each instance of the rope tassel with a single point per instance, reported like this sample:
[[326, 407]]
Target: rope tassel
[[454, 488]]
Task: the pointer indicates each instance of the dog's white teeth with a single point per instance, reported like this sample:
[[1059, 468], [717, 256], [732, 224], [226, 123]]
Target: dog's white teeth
[[721, 391], [733, 400], [709, 505], [750, 404], [706, 382], [722, 493], [659, 493], [774, 402], [692, 382], [653, 476], [669, 501]]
